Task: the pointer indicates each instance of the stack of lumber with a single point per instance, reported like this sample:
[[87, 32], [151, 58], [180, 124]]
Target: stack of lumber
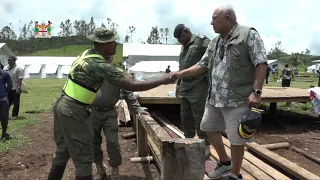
[[252, 166]]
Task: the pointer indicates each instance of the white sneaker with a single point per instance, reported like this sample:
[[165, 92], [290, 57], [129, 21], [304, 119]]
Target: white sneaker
[[234, 177], [219, 171]]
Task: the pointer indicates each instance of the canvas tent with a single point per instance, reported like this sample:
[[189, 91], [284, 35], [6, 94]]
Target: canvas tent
[[134, 53], [311, 69], [275, 62], [146, 70], [316, 64], [5, 52], [45, 66]]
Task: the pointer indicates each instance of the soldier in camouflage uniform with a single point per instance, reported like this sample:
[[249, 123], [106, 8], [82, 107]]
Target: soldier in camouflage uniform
[[73, 131], [104, 116], [192, 91], [236, 63]]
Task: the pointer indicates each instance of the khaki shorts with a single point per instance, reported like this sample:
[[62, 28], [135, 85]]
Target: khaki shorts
[[224, 119]]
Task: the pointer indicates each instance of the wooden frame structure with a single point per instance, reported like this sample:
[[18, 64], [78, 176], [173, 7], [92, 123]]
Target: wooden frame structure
[[169, 152], [270, 94], [178, 158]]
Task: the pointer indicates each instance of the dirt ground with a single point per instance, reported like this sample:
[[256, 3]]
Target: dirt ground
[[33, 161], [300, 130]]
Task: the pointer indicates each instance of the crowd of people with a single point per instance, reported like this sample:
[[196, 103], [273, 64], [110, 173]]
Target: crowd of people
[[286, 76]]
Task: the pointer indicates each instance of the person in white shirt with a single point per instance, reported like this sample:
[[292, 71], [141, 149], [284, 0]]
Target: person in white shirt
[[16, 74]]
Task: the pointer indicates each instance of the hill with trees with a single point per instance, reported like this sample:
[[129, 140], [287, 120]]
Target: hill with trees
[[71, 41], [303, 59]]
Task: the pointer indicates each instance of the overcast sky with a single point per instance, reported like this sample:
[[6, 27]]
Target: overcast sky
[[295, 23]]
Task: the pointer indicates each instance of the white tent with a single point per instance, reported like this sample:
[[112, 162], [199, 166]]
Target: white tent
[[134, 53], [311, 69], [45, 66], [145, 70], [5, 52], [275, 62], [316, 65]]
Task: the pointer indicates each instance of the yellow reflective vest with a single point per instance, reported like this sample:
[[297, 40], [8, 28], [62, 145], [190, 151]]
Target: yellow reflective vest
[[74, 89]]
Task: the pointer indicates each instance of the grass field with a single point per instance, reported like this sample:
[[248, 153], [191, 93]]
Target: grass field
[[74, 51], [42, 93]]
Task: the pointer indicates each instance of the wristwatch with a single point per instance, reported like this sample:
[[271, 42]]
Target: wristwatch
[[257, 92]]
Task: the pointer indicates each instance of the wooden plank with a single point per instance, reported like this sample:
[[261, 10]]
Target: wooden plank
[[121, 115], [164, 120], [159, 100], [159, 95], [159, 116], [159, 136], [142, 145], [306, 154], [281, 162], [274, 146], [258, 163], [127, 117], [188, 162], [155, 152], [285, 99], [251, 168]]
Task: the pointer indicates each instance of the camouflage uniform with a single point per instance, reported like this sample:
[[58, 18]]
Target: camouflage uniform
[[192, 91], [104, 116], [73, 131]]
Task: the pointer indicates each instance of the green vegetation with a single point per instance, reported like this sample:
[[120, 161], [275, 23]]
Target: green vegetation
[[75, 50], [72, 50], [303, 59], [302, 108], [296, 83], [42, 93]]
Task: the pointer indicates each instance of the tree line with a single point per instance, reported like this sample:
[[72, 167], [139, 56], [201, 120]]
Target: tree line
[[303, 58], [71, 33]]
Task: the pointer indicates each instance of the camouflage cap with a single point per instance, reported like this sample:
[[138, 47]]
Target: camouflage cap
[[102, 35]]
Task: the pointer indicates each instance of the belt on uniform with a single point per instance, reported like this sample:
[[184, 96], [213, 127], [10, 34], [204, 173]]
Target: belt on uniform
[[67, 99], [102, 109]]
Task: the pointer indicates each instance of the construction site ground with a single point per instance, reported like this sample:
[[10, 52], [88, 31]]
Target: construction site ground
[[33, 161], [300, 130]]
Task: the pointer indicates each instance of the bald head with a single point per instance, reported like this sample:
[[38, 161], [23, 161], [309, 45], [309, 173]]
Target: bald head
[[227, 11], [223, 19]]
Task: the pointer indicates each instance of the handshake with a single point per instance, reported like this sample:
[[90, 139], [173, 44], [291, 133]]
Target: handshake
[[171, 77]]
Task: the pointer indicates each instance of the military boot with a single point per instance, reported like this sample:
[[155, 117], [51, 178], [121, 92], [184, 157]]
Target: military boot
[[56, 172], [101, 172], [84, 177], [115, 173]]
